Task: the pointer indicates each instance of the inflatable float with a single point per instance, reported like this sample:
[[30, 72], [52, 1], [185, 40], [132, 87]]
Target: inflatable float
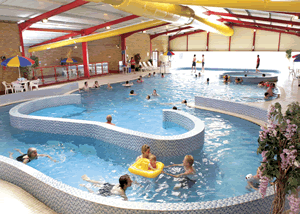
[[141, 168]]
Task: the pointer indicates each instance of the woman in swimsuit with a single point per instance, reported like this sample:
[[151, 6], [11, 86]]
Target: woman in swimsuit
[[31, 155]]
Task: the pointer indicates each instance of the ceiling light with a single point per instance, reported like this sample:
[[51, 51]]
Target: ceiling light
[[45, 20], [296, 17], [107, 27], [75, 47], [70, 37], [144, 31], [254, 30]]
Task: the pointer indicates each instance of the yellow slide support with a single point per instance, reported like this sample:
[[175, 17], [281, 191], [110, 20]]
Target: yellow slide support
[[266, 5], [97, 36]]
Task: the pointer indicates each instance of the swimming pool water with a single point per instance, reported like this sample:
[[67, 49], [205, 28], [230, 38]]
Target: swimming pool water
[[138, 114], [229, 153]]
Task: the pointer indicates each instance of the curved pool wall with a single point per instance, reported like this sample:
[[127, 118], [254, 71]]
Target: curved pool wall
[[69, 200], [65, 199], [251, 77], [238, 108], [162, 146]]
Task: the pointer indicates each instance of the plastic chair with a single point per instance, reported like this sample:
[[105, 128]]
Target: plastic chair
[[143, 67], [146, 66], [8, 87], [34, 83], [151, 66], [18, 87]]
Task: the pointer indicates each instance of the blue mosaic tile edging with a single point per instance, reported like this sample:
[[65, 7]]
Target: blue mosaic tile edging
[[239, 108], [249, 78], [162, 146], [69, 200]]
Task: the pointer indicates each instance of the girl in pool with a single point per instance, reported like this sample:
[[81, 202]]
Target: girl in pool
[[109, 86], [145, 152], [152, 164], [132, 92], [85, 87], [154, 93], [189, 175], [96, 85], [31, 155], [162, 75]]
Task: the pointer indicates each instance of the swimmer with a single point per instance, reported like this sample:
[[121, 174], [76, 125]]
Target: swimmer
[[127, 84], [267, 96], [207, 80], [149, 75], [132, 93], [145, 152], [31, 155], [85, 87], [154, 93], [253, 181], [263, 75], [245, 75], [270, 89], [199, 74], [189, 175], [174, 108], [152, 164], [96, 85], [139, 80], [109, 119], [261, 84], [184, 102], [153, 73], [107, 189], [162, 75], [226, 79], [148, 97], [196, 75], [109, 86]]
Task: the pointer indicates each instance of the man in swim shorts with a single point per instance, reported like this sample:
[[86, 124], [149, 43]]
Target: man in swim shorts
[[107, 189]]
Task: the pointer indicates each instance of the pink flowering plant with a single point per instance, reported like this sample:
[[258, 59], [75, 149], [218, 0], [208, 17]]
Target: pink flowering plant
[[279, 145]]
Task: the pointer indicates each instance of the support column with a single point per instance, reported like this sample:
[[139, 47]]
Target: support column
[[85, 57], [21, 40], [123, 48], [229, 43], [168, 43], [207, 42], [279, 41], [187, 42], [253, 46], [150, 48]]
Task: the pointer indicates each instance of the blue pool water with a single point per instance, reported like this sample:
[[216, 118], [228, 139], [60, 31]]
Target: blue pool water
[[229, 152], [137, 113]]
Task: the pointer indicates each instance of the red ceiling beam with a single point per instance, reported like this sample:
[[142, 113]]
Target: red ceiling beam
[[252, 18], [57, 39], [257, 24], [171, 31], [53, 30], [266, 29], [54, 12], [124, 19], [187, 33]]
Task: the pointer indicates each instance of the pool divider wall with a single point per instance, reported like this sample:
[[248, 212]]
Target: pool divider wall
[[161, 146], [19, 97], [69, 200], [239, 108]]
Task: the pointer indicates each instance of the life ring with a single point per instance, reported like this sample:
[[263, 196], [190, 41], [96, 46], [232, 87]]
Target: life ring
[[141, 168], [198, 61]]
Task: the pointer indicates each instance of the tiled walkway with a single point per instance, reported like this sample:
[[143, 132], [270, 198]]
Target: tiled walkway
[[16, 200]]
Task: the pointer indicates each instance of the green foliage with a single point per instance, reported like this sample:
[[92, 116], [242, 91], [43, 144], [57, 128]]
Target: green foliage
[[275, 139], [289, 54]]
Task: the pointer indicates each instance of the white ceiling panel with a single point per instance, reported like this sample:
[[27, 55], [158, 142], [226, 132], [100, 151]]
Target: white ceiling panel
[[262, 22], [259, 13], [238, 11], [281, 16], [279, 24], [36, 4], [76, 20], [217, 9], [247, 20]]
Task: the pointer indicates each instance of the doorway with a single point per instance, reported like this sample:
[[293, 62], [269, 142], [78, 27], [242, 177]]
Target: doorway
[[155, 58]]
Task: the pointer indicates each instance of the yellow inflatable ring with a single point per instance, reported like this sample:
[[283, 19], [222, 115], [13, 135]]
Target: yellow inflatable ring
[[141, 168], [198, 61]]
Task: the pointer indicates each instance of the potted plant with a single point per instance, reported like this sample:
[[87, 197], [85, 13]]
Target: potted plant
[[279, 145], [137, 59]]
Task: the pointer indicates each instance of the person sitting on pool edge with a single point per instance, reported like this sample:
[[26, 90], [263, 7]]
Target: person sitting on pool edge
[[132, 92], [31, 155], [145, 152], [190, 175], [109, 119], [107, 189], [127, 84]]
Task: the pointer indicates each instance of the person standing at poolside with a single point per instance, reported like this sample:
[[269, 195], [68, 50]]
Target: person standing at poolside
[[132, 62], [194, 64], [257, 63], [202, 62]]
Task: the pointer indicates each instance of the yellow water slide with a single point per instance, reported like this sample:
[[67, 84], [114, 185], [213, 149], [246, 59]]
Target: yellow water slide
[[265, 5], [97, 36]]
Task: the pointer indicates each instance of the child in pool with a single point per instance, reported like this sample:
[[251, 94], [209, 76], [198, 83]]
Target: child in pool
[[109, 86], [85, 87], [145, 152], [152, 164], [154, 93], [31, 155], [132, 92], [96, 85], [189, 175], [253, 181]]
